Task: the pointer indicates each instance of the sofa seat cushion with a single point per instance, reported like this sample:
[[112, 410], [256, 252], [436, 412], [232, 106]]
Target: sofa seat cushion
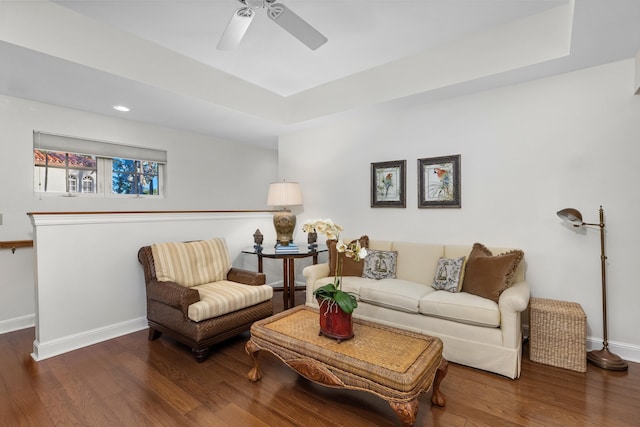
[[461, 307], [349, 284], [222, 297], [395, 294]]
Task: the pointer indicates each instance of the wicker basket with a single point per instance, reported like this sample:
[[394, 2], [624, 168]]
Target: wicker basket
[[558, 332]]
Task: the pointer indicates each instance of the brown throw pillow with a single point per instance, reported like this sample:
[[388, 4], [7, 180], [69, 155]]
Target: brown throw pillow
[[349, 266], [487, 275]]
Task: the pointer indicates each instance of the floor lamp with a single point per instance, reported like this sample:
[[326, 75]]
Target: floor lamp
[[602, 358]]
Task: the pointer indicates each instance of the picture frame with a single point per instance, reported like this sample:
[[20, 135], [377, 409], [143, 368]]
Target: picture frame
[[388, 184], [439, 182]]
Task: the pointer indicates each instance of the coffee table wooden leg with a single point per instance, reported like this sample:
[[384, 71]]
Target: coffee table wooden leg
[[252, 350], [406, 411], [438, 398]]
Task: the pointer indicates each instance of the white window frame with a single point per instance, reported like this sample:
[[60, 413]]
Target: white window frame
[[105, 183], [89, 182]]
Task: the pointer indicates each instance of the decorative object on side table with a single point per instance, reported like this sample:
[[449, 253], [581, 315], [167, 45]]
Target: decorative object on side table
[[312, 240], [388, 184], [284, 194], [336, 305], [602, 358], [439, 182], [258, 238], [291, 248]]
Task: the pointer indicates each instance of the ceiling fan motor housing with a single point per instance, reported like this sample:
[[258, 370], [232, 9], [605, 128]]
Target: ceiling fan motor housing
[[254, 4]]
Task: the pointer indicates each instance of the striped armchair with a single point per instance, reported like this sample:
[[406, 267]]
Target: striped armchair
[[195, 296]]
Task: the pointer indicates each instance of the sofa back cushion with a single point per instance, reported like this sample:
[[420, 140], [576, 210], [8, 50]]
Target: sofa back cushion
[[191, 263], [417, 262], [380, 245]]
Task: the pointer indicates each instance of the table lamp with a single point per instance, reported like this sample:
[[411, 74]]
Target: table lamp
[[602, 358], [284, 194]]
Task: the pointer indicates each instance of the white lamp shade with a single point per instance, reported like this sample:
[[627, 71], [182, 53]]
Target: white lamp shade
[[284, 194]]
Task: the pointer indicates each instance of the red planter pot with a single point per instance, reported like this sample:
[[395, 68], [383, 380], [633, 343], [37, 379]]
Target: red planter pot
[[335, 323]]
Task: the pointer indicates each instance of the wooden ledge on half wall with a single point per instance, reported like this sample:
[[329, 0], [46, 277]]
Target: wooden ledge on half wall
[[153, 212], [15, 244]]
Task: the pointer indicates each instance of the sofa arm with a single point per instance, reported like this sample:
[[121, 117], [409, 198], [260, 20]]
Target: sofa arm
[[173, 295], [315, 272], [246, 277], [512, 302]]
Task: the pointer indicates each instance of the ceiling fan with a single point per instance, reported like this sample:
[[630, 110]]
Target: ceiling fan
[[279, 13]]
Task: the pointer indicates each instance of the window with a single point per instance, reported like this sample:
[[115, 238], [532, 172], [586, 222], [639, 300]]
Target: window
[[59, 172], [87, 185], [103, 168], [72, 184], [134, 177]]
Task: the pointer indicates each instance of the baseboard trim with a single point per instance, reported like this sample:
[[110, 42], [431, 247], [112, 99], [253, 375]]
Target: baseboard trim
[[17, 323], [45, 350], [628, 352]]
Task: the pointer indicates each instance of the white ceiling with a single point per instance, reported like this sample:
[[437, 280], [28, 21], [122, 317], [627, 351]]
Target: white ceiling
[[159, 58]]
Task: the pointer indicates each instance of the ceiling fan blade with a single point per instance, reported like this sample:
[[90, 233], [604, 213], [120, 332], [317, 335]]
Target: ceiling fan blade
[[236, 28], [296, 26]]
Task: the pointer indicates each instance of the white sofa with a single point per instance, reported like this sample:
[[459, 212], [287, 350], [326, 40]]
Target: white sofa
[[476, 331]]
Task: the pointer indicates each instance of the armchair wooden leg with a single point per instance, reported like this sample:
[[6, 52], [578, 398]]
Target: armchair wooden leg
[[201, 354], [153, 334]]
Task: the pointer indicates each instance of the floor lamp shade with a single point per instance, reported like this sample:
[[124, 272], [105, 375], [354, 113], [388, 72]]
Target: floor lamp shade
[[284, 194], [571, 215], [602, 358]]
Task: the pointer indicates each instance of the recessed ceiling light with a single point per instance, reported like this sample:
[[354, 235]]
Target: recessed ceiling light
[[121, 108]]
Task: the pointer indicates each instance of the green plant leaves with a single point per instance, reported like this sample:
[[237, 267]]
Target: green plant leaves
[[346, 300]]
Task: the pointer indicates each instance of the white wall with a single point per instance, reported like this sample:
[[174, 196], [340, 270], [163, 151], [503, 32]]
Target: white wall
[[16, 289], [527, 151], [203, 173], [99, 293]]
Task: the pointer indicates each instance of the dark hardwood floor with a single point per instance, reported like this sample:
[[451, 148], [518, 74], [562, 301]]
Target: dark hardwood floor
[[130, 381]]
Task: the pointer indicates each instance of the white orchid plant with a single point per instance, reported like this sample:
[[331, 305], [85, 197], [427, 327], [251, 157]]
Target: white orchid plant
[[332, 293]]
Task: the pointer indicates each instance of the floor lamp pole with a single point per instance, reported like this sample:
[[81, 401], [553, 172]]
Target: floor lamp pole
[[604, 358]]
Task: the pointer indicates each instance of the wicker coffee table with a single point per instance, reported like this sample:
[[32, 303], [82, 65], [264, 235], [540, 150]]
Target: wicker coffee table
[[393, 364]]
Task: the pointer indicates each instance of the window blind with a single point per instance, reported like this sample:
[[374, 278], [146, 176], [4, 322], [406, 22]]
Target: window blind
[[52, 142]]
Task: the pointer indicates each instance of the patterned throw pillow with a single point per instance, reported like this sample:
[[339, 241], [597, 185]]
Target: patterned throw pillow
[[449, 274], [380, 265]]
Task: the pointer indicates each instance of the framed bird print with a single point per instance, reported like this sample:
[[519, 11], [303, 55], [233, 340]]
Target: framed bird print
[[439, 182], [388, 184]]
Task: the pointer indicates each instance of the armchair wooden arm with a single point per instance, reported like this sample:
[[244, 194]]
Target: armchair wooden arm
[[246, 277], [173, 295]]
